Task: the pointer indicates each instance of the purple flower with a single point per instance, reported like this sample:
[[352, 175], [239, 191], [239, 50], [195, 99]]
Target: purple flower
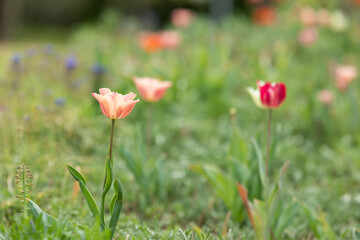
[[60, 101], [70, 63], [16, 59], [98, 69]]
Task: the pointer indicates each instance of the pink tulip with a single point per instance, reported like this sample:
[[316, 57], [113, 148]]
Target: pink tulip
[[182, 17], [170, 39], [323, 17], [326, 97], [308, 36], [114, 105], [307, 16], [344, 74], [151, 89]]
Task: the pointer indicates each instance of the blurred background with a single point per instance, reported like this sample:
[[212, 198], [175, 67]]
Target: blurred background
[[16, 15]]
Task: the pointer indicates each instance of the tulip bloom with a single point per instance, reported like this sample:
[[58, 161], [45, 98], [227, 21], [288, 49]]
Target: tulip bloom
[[155, 41], [114, 105], [345, 74], [182, 17], [268, 95], [150, 42], [264, 15], [308, 16], [170, 39], [308, 36], [151, 89], [326, 97]]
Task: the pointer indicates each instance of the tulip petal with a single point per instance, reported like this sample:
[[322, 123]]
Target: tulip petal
[[104, 91], [255, 95], [100, 99], [108, 104], [125, 111]]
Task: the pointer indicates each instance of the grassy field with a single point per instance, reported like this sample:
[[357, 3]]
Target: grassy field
[[49, 119]]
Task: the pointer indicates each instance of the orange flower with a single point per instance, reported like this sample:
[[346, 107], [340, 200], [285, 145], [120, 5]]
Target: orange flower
[[155, 41], [151, 89], [182, 17], [114, 105], [264, 15], [150, 42]]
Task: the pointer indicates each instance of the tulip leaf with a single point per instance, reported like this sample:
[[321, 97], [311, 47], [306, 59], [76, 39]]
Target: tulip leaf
[[112, 203], [37, 212], [286, 218], [117, 206], [225, 187], [109, 177], [76, 175], [356, 234], [260, 163], [87, 195]]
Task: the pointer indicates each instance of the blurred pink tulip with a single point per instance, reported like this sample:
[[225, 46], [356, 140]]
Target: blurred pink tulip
[[170, 39], [308, 36], [182, 17], [114, 105], [151, 89], [344, 74], [323, 17], [326, 97], [307, 16]]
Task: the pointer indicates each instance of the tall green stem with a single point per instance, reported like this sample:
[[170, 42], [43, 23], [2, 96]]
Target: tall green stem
[[268, 144], [103, 193], [149, 129], [111, 140]]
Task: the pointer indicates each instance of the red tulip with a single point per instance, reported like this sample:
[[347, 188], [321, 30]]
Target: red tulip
[[114, 105], [268, 95]]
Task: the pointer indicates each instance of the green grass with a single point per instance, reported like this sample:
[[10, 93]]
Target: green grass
[[210, 70]]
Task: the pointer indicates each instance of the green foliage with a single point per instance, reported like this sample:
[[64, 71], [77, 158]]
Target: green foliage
[[210, 71], [318, 223]]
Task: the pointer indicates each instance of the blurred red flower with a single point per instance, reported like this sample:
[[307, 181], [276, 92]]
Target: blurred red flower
[[264, 15]]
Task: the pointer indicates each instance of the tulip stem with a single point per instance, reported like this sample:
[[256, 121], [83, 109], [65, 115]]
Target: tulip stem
[[268, 144], [149, 129], [111, 140], [103, 194]]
